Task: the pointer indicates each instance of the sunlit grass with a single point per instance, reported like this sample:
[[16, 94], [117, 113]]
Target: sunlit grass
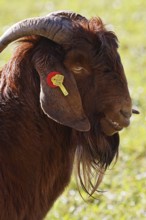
[[125, 183]]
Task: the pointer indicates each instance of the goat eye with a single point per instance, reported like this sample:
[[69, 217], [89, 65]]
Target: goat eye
[[79, 70]]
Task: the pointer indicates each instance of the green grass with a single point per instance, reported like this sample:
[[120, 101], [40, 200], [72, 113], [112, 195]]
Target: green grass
[[125, 183]]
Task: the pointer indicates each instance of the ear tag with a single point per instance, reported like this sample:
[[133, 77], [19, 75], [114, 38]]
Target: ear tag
[[55, 79]]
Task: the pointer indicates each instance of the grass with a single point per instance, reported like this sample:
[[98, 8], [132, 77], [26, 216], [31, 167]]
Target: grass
[[125, 183]]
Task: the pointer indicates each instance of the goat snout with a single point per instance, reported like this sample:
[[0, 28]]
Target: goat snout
[[117, 119], [126, 113]]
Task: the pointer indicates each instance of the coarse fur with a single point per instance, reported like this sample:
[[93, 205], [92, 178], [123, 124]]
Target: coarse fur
[[36, 152]]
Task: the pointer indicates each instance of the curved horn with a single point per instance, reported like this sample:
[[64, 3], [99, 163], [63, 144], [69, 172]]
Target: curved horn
[[57, 26]]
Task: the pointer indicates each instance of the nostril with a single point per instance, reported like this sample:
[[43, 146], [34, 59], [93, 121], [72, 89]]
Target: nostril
[[126, 114]]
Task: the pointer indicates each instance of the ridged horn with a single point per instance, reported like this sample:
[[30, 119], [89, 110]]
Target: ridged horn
[[57, 26]]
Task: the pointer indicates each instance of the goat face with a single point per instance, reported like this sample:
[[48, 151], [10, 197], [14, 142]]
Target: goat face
[[102, 84]]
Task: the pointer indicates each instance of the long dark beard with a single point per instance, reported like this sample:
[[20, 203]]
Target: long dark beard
[[95, 152]]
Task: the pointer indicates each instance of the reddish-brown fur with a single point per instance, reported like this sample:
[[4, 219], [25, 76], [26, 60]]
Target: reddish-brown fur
[[37, 153]]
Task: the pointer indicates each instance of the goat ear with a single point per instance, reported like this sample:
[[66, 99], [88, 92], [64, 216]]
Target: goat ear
[[63, 108]]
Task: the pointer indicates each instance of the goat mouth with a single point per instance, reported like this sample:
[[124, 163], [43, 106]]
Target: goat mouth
[[116, 126], [109, 127]]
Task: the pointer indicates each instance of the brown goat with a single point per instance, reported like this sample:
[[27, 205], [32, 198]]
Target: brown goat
[[42, 130]]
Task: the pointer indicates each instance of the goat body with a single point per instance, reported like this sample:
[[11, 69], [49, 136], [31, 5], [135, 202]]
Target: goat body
[[36, 152]]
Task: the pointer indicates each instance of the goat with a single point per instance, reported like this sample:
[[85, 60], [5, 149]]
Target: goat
[[64, 95]]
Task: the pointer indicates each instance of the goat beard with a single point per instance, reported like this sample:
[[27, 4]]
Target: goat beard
[[95, 152]]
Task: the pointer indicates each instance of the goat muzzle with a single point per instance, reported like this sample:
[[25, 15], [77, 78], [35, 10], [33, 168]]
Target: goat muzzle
[[115, 121]]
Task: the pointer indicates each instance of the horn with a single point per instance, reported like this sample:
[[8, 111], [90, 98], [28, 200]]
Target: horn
[[56, 26]]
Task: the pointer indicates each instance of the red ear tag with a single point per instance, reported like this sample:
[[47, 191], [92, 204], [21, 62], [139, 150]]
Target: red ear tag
[[49, 79]]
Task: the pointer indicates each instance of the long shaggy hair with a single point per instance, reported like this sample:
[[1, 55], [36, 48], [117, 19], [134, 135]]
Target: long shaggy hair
[[95, 152]]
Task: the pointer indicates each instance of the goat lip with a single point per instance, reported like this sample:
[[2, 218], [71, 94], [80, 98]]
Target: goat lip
[[115, 125], [110, 127]]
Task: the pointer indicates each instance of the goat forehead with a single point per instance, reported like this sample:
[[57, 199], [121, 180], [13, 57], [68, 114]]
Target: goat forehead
[[106, 57], [109, 68]]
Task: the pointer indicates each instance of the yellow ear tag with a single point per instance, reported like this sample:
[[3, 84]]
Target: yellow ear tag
[[57, 80]]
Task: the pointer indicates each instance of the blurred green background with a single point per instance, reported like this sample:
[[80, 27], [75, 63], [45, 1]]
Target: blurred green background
[[125, 183]]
